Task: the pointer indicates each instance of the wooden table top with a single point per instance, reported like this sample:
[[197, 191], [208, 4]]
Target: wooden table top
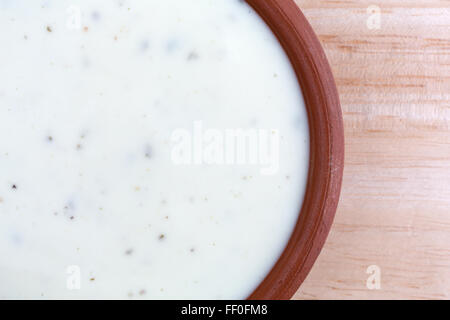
[[393, 75]]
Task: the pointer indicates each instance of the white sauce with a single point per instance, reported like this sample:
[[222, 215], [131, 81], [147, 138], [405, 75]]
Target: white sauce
[[88, 186]]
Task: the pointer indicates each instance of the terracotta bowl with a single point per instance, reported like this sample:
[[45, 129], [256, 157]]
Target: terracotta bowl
[[326, 147]]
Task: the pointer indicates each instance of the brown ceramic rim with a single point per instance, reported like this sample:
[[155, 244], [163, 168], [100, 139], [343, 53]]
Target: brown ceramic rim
[[326, 147]]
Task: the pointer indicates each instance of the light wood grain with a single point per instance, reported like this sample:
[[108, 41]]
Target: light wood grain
[[394, 85]]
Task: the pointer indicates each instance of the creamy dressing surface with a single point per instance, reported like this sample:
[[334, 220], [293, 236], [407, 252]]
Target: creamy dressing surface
[[92, 203]]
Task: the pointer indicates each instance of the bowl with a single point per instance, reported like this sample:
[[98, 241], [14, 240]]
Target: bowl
[[326, 161]]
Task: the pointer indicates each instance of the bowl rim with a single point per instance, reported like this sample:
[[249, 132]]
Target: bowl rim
[[326, 162]]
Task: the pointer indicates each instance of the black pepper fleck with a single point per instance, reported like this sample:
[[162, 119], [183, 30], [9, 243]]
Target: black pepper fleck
[[148, 150], [192, 56], [95, 16], [144, 46]]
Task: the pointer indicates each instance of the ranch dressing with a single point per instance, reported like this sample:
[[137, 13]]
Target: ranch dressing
[[116, 180]]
